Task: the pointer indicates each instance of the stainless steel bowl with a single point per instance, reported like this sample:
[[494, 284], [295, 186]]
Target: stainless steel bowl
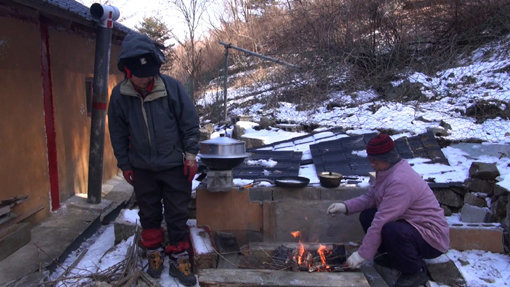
[[222, 147], [222, 153]]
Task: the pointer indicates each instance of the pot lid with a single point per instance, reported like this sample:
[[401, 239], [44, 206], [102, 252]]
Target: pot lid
[[330, 174], [222, 140]]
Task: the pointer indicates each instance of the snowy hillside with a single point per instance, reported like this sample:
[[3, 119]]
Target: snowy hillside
[[469, 102]]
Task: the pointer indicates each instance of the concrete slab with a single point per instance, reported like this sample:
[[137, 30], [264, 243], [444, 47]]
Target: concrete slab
[[63, 231]]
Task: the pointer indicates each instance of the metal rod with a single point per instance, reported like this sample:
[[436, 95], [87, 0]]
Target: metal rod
[[225, 79], [228, 45]]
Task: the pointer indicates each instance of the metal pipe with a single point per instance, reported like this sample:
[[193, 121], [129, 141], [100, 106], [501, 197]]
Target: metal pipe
[[228, 45], [105, 15]]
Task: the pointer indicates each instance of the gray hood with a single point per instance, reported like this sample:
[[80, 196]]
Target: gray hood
[[136, 44]]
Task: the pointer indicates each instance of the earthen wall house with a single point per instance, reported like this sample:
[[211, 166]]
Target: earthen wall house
[[47, 54]]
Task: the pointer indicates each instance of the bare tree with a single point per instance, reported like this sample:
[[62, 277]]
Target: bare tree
[[192, 12]]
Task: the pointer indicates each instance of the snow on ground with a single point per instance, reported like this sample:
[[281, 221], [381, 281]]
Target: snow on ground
[[450, 92]]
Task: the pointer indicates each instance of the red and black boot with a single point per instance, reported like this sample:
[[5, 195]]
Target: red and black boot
[[180, 264], [151, 241]]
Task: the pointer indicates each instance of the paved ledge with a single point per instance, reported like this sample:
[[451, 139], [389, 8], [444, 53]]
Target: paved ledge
[[53, 239]]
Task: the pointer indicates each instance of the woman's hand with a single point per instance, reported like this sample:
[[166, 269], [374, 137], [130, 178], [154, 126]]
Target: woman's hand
[[355, 260], [337, 208]]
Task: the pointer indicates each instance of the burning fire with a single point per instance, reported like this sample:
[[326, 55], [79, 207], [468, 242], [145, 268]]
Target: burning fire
[[304, 258]]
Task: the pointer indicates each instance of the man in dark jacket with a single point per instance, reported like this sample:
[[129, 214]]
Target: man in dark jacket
[[154, 133]]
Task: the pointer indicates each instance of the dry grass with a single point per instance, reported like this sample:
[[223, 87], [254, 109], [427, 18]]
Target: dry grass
[[364, 43]]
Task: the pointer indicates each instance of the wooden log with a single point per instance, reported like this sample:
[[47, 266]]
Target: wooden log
[[204, 253], [254, 277]]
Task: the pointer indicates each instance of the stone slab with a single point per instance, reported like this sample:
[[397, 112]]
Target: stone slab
[[44, 247], [18, 235], [256, 277], [53, 239]]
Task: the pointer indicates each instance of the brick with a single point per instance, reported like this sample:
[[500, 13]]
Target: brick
[[476, 236]]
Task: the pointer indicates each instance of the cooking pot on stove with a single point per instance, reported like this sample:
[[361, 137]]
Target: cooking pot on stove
[[222, 153], [330, 179]]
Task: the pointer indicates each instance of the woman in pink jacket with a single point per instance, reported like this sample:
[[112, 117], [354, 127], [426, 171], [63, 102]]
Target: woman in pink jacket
[[400, 215]]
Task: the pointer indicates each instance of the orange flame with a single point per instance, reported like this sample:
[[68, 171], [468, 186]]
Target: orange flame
[[322, 250], [297, 234], [301, 252]]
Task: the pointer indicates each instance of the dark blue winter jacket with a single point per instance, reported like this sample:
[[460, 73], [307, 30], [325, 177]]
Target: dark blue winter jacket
[[153, 132]]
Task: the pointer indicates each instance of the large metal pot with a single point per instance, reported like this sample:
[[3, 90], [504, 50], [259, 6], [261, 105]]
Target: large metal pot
[[222, 153]]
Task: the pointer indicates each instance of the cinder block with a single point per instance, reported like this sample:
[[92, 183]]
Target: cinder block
[[476, 236]]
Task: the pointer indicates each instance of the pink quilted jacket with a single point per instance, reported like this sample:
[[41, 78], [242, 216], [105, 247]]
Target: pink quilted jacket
[[401, 193]]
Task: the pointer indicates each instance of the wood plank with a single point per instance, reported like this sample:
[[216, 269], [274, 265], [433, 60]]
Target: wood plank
[[4, 210], [256, 277], [350, 247]]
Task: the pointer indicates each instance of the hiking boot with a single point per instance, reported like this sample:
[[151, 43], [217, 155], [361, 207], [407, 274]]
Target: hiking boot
[[155, 262], [412, 280], [180, 268]]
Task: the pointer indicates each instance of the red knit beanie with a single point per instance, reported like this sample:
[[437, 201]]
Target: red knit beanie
[[380, 144]]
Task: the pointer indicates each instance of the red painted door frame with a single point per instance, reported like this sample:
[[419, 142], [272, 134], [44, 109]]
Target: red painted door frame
[[49, 115]]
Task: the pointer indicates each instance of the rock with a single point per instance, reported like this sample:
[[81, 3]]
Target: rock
[[252, 142], [266, 122], [480, 185], [123, 229], [448, 197], [240, 128], [472, 199], [499, 190], [445, 125], [206, 131], [438, 131], [475, 214], [483, 170], [447, 210], [443, 270], [499, 208]]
